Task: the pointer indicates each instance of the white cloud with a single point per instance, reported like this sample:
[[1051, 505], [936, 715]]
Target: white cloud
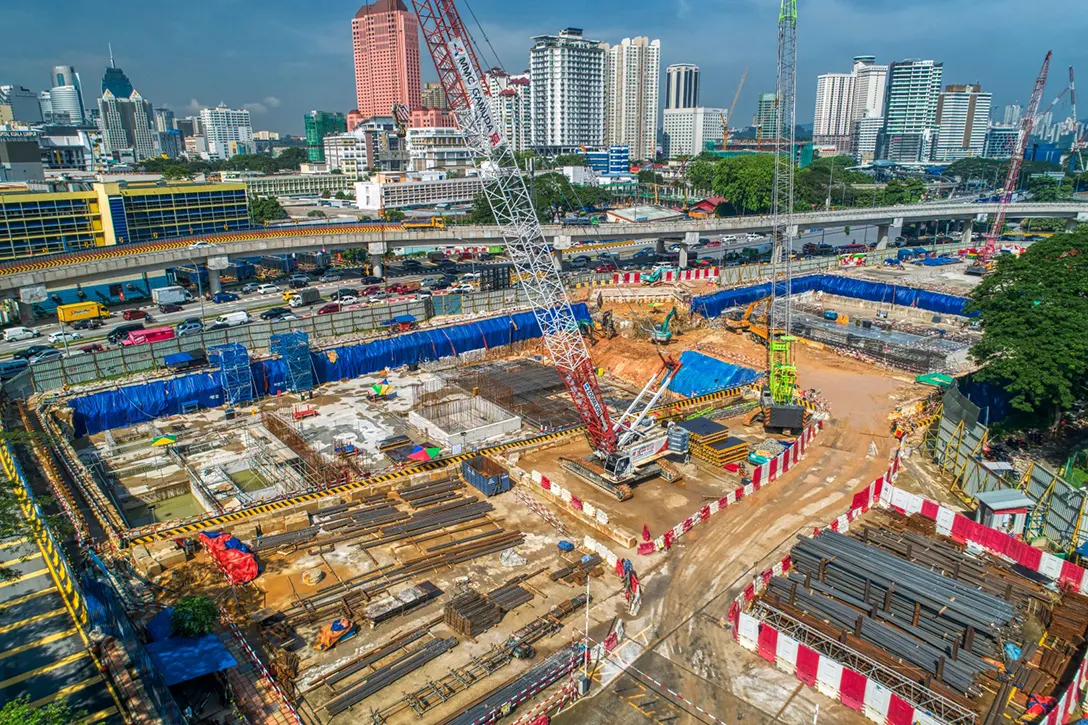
[[259, 107]]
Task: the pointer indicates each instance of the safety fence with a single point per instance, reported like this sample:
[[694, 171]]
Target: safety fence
[[842, 673], [956, 442]]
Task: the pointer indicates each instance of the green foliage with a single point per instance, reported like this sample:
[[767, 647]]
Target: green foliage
[[481, 210], [569, 160], [552, 194], [194, 616], [1034, 312], [647, 176], [289, 160], [523, 157], [1045, 188], [316, 213], [19, 712], [746, 181], [701, 172], [394, 215], [326, 194], [1043, 224], [343, 195], [174, 172], [265, 209]]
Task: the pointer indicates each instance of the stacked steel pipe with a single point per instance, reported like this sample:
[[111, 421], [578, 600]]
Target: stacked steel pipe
[[471, 614], [390, 673]]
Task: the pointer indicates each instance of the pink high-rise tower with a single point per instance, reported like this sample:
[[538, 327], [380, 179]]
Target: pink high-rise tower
[[385, 37]]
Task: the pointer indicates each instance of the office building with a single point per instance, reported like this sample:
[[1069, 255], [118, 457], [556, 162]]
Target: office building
[[863, 137], [25, 104], [126, 124], [66, 96], [20, 157], [170, 143], [320, 124], [189, 126], [434, 96], [67, 148], [963, 117], [681, 86], [1000, 142], [45, 105], [385, 39], [430, 118], [36, 223], [631, 94], [372, 145], [414, 190], [439, 149], [511, 106], [870, 81], [834, 109], [164, 120], [688, 131], [289, 185], [910, 111], [766, 118], [347, 153], [115, 81], [566, 73], [1011, 116], [611, 162], [227, 131]]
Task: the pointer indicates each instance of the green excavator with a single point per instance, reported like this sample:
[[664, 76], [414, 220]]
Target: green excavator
[[661, 334]]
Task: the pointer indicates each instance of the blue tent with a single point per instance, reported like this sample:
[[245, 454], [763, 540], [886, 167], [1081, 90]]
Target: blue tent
[[180, 659], [700, 374]]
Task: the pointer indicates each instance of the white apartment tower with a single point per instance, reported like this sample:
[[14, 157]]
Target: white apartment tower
[[566, 74], [511, 105], [963, 117], [834, 108], [227, 131], [910, 111], [631, 83], [686, 131], [681, 86], [870, 80]]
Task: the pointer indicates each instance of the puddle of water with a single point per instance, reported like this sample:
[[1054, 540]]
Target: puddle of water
[[249, 480], [165, 510]]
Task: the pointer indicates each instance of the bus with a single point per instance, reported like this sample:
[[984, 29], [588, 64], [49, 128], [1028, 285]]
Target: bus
[[853, 249], [435, 222], [148, 335]]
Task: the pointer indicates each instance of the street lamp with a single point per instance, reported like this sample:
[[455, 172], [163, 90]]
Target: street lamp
[[200, 294]]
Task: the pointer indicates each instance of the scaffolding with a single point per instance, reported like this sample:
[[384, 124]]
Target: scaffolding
[[235, 375], [294, 348]]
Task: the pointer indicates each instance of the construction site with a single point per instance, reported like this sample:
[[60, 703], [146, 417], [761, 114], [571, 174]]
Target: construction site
[[664, 499]]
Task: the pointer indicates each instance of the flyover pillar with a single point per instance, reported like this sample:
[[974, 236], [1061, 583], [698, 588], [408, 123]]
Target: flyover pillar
[[1071, 224], [560, 243], [377, 252], [882, 235], [659, 247], [690, 240], [214, 285], [968, 228]]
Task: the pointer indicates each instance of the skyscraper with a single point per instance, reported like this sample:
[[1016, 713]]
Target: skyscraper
[[25, 104], [434, 96], [66, 95], [910, 111], [320, 124], [227, 131], [164, 120], [766, 117], [510, 100], [681, 86], [963, 116], [127, 124], [115, 81], [630, 95], [1012, 115], [834, 108], [686, 131], [566, 74], [870, 80], [385, 38]]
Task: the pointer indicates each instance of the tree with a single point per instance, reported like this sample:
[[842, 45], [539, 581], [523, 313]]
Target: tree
[[481, 210], [342, 195], [524, 157], [1043, 224], [747, 181], [326, 194], [1034, 312], [291, 158], [700, 173], [265, 209], [194, 616], [569, 160], [337, 171], [19, 712], [174, 172], [1046, 188], [316, 213], [647, 176], [394, 215]]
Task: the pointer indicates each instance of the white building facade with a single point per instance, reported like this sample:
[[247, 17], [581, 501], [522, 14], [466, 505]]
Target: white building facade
[[227, 131], [686, 131], [682, 86], [423, 192], [127, 124], [438, 149], [834, 108], [963, 117], [511, 105], [910, 111], [870, 83], [567, 90], [631, 84]]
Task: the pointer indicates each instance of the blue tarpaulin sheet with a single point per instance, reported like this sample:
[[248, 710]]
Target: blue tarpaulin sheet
[[713, 305], [701, 374], [140, 403], [161, 626], [180, 659], [178, 358]]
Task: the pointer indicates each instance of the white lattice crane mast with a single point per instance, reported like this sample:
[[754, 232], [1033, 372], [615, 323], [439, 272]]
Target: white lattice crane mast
[[460, 74], [1027, 123], [782, 198]]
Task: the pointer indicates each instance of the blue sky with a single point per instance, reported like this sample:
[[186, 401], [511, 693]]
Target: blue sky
[[281, 58]]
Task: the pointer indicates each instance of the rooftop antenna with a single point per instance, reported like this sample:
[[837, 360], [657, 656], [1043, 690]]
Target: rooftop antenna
[[112, 64]]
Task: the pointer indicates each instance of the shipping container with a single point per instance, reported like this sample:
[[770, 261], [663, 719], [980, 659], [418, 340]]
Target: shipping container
[[81, 311], [485, 475]]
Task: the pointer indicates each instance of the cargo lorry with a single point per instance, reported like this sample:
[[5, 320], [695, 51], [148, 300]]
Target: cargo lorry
[[173, 295], [81, 311], [306, 296]]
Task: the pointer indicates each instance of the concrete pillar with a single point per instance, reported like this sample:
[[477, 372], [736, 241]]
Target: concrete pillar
[[690, 240], [659, 247], [968, 227], [213, 281], [26, 313], [377, 266], [1071, 224], [683, 262], [882, 236], [557, 258]]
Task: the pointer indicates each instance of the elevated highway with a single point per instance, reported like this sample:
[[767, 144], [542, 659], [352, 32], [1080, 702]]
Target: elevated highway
[[94, 265]]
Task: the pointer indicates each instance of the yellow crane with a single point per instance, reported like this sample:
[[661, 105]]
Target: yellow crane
[[732, 107]]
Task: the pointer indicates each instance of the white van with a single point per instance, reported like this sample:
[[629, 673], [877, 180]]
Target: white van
[[232, 319], [19, 333]]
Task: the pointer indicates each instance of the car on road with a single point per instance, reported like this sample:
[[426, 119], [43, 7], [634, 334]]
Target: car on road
[[440, 285], [605, 268], [46, 355], [714, 243], [329, 308], [348, 300], [398, 289], [201, 245], [268, 289], [62, 335], [344, 292], [412, 264], [330, 277], [231, 319], [582, 260], [88, 349], [372, 290], [218, 326], [294, 283], [29, 352], [221, 297], [91, 323], [428, 281], [485, 256], [369, 279], [134, 314], [729, 238], [189, 326], [249, 288], [751, 237], [275, 313], [10, 368], [378, 296], [462, 288], [170, 307]]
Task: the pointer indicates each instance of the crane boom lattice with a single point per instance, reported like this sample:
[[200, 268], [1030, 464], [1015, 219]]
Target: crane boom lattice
[[460, 73]]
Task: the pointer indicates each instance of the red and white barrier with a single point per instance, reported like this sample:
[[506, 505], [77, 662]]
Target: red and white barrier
[[761, 476], [668, 275], [874, 700]]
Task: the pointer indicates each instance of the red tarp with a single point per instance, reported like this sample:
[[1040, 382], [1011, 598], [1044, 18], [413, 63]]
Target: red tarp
[[808, 662], [852, 689], [239, 565]]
